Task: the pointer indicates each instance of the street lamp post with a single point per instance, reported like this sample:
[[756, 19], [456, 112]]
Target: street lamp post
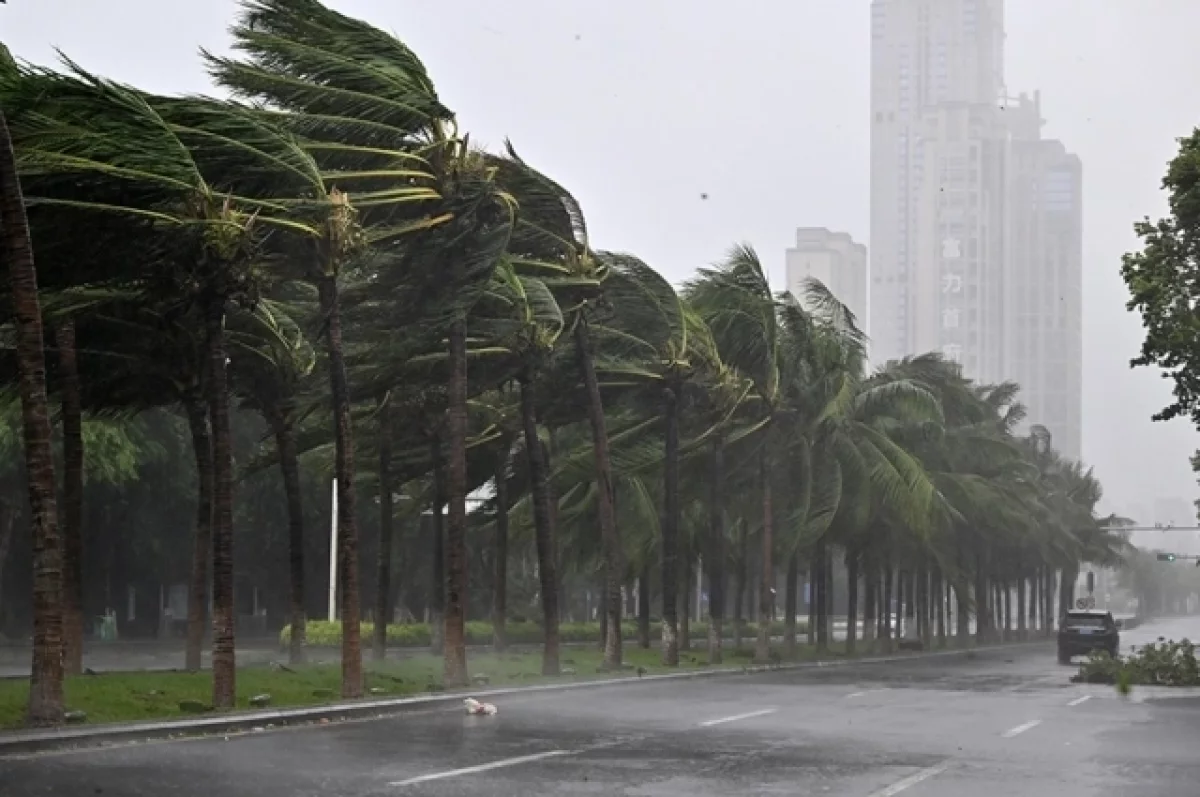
[[333, 552]]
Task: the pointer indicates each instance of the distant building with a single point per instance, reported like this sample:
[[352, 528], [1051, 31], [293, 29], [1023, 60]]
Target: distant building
[[1044, 280], [937, 181], [976, 220], [834, 259]]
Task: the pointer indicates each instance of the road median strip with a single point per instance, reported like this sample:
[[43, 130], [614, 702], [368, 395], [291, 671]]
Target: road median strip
[[69, 736]]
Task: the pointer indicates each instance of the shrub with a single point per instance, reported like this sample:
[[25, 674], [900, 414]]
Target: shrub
[[324, 634], [1157, 664]]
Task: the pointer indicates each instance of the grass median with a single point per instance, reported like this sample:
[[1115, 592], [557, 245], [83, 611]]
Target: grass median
[[130, 696]]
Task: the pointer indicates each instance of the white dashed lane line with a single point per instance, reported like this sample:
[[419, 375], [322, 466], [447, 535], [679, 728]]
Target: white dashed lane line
[[1079, 700], [504, 762], [736, 717], [1017, 731], [911, 780]]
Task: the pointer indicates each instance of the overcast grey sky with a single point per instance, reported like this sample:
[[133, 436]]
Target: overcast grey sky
[[639, 107]]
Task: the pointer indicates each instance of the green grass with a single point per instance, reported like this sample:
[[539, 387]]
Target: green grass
[[118, 697], [321, 633]]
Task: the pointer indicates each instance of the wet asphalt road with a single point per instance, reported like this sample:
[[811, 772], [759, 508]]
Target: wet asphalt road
[[998, 723]]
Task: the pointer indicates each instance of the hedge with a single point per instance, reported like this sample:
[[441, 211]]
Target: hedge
[[322, 633]]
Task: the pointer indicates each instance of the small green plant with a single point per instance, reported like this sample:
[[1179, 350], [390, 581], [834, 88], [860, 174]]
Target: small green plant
[[1162, 663]]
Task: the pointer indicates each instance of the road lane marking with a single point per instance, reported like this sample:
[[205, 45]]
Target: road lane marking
[[1011, 732], [863, 693], [736, 717], [911, 780], [1079, 700], [504, 762]]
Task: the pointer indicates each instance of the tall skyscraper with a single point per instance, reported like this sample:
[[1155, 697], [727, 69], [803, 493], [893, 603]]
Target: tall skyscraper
[[937, 164], [1044, 347], [975, 219], [834, 259]]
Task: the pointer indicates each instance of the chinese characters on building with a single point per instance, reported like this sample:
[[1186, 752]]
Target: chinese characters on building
[[951, 305]]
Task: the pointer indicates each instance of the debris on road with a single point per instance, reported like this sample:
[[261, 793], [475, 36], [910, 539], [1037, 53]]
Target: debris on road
[[475, 707]]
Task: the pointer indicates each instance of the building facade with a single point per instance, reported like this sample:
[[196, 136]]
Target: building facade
[[836, 261], [1044, 345], [937, 73], [976, 220]]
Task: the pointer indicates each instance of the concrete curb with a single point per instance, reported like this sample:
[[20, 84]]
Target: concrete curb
[[43, 739]]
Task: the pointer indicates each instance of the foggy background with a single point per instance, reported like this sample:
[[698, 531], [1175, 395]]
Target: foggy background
[[639, 108]]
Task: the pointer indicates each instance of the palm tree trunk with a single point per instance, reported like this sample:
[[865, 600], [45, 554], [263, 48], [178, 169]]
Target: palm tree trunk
[[1067, 588], [886, 606], [939, 592], [289, 467], [904, 594], [643, 621], [72, 525], [8, 522], [500, 574], [1007, 610], [921, 605], [716, 553], [1048, 614], [347, 517], [46, 676], [870, 601], [197, 415], [853, 562], [603, 621], [613, 553], [683, 600], [982, 608], [814, 578], [224, 665], [383, 579], [762, 648], [962, 611], [544, 528], [739, 587], [790, 604], [962, 607], [1034, 600], [670, 530], [455, 660], [550, 453], [830, 592], [437, 586], [1020, 585], [822, 592]]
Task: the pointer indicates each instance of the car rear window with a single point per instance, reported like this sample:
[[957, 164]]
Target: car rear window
[[1085, 622]]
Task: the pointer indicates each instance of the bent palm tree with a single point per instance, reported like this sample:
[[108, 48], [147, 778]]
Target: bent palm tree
[[46, 676]]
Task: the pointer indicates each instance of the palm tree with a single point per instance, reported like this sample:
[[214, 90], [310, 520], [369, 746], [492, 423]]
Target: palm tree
[[735, 299], [203, 177], [536, 325], [371, 126], [46, 676], [554, 269], [663, 348], [270, 361]]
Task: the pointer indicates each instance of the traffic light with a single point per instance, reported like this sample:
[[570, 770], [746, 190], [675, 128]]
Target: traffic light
[[1166, 557]]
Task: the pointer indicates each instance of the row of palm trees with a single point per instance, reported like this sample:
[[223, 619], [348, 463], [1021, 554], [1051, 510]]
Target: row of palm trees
[[331, 252]]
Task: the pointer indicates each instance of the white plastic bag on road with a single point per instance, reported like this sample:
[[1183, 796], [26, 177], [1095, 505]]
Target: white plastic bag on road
[[475, 707]]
